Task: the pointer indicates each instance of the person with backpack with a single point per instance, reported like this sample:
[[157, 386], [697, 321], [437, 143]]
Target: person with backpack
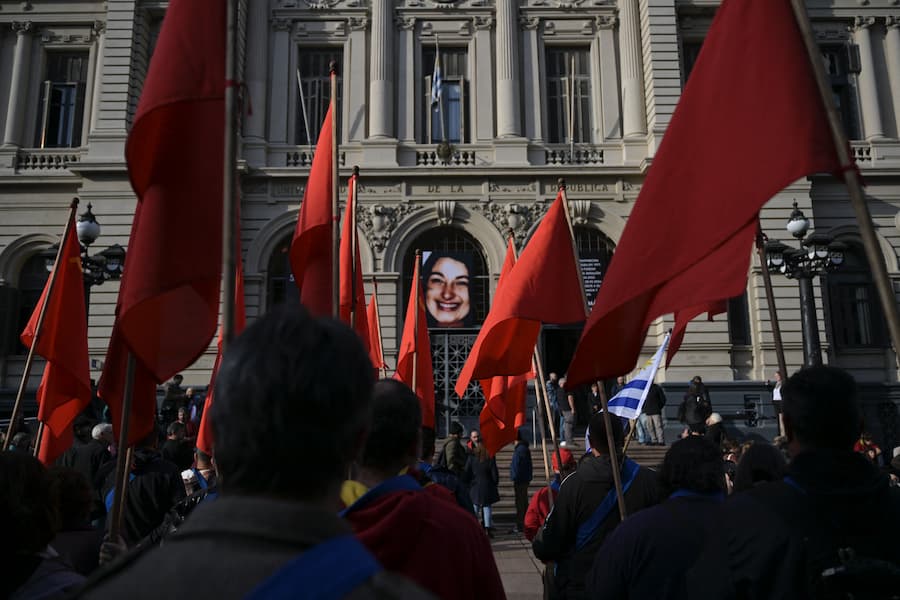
[[829, 529], [695, 407], [453, 455]]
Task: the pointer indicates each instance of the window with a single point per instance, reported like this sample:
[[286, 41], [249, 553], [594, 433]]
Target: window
[[856, 317], [62, 100], [568, 95], [448, 118], [281, 286], [314, 73], [690, 50], [739, 321], [32, 279], [838, 69]]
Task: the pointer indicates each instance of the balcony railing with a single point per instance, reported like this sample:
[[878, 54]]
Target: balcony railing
[[558, 154], [46, 159]]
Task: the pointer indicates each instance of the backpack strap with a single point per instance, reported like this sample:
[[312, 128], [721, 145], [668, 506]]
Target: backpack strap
[[111, 494], [401, 483], [588, 529], [328, 571]]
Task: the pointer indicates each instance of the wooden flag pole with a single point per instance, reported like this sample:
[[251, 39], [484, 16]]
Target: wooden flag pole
[[773, 313], [229, 185], [37, 439], [354, 187], [38, 328], [115, 524], [335, 203], [415, 282], [852, 179], [607, 422], [378, 328]]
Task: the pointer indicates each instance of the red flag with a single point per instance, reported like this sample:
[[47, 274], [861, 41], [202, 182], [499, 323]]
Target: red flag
[[311, 248], [685, 315], [65, 388], [543, 286], [504, 395], [416, 343], [204, 432], [353, 296], [687, 241], [376, 350], [168, 303]]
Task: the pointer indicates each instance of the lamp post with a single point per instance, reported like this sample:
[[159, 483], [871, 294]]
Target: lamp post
[[98, 268], [818, 254]]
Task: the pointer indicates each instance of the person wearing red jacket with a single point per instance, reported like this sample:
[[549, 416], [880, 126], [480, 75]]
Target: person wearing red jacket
[[540, 504]]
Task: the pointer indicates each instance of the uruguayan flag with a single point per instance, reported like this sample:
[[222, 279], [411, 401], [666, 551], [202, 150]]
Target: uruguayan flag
[[437, 80], [630, 399]]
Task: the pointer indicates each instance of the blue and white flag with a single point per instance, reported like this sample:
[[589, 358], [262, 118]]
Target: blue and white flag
[[630, 399], [437, 80]]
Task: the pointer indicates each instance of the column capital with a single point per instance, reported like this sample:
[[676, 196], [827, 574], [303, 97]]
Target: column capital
[[281, 24], [892, 22], [529, 22], [860, 23], [358, 23], [606, 21], [98, 28], [483, 22], [21, 27], [405, 23]]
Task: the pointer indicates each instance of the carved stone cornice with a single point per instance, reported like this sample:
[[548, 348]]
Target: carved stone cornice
[[21, 27], [320, 4], [379, 221], [515, 215]]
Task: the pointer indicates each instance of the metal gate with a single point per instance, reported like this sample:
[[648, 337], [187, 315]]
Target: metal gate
[[448, 355]]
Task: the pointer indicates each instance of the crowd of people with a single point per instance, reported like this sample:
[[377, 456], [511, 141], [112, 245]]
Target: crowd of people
[[325, 484]]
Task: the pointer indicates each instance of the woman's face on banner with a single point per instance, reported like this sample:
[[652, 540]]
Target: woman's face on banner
[[447, 292]]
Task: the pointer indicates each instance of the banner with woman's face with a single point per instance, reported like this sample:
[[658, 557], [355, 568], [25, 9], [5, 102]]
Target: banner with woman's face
[[447, 280]]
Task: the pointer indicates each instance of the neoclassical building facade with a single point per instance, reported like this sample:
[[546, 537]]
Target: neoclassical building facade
[[531, 91]]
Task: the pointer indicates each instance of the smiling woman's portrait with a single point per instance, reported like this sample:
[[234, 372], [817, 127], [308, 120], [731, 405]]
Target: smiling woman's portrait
[[447, 281]]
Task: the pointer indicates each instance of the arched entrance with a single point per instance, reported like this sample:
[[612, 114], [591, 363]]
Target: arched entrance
[[280, 286], [456, 281]]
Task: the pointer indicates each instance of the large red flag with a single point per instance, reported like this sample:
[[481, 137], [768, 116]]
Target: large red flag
[[168, 304], [65, 388], [416, 343], [376, 350], [543, 286], [311, 248], [687, 242], [352, 294], [205, 439], [504, 395]]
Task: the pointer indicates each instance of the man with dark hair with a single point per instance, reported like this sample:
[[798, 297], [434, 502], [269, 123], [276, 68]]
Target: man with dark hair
[[176, 449], [440, 474], [829, 529], [648, 555], [407, 529], [521, 474], [453, 455], [292, 399], [586, 510]]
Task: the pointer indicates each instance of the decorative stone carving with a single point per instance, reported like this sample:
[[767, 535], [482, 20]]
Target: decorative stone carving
[[892, 22], [606, 21], [379, 221], [280, 24], [300, 31], [405, 23], [531, 23], [320, 4], [580, 210], [862, 23], [549, 28], [497, 188], [515, 216], [98, 28], [483, 22], [445, 210], [358, 23], [21, 27]]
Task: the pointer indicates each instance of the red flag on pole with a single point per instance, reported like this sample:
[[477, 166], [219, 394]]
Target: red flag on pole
[[688, 239], [352, 294], [168, 303], [376, 350], [205, 438], [504, 395], [65, 388], [414, 354], [543, 286], [311, 248]]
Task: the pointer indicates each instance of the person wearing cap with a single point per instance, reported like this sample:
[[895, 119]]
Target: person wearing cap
[[540, 504]]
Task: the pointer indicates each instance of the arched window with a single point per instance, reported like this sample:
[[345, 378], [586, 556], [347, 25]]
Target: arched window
[[281, 288], [855, 313], [32, 278]]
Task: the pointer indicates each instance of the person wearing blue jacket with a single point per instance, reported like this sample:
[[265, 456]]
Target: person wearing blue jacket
[[520, 471]]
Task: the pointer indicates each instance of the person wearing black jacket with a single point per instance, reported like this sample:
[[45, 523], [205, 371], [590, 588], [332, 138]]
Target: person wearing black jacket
[[695, 407], [653, 406], [567, 537], [830, 528]]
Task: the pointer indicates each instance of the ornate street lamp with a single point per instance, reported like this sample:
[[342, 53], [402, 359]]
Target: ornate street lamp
[[818, 254]]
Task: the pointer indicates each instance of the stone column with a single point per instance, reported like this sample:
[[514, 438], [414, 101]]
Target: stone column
[[406, 80], [256, 73], [868, 86], [531, 81], [483, 120], [634, 112], [381, 84], [507, 40], [892, 50], [100, 32], [18, 88], [281, 80]]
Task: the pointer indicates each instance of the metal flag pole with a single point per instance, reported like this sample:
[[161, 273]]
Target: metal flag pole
[[335, 202], [303, 110], [852, 179], [115, 524], [38, 328], [229, 183], [773, 313], [354, 187], [604, 404]]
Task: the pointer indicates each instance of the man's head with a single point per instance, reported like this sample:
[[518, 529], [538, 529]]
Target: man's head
[[562, 381], [694, 464], [176, 431], [395, 429], [553, 377], [189, 393], [620, 380], [182, 414], [597, 434], [475, 437], [821, 409], [82, 428], [292, 400], [178, 379], [103, 432], [456, 429]]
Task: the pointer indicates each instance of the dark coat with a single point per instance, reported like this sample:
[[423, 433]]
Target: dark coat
[[484, 478], [716, 433], [579, 496], [694, 409], [520, 469], [234, 543], [766, 538], [656, 400]]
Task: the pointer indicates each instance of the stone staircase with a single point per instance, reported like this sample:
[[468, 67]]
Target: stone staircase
[[505, 509]]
